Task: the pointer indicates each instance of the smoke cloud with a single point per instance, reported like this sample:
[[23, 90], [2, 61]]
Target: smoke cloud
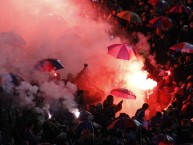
[[69, 31]]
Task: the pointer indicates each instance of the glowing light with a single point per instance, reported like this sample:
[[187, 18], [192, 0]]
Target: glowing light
[[168, 73], [76, 112], [55, 74], [139, 78], [49, 115]]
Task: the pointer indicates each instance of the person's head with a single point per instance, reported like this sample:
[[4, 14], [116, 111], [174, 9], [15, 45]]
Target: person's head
[[186, 122], [188, 58], [146, 7], [99, 106], [191, 25], [80, 92], [158, 114], [144, 18], [110, 98], [145, 106], [185, 28], [174, 104], [149, 35]]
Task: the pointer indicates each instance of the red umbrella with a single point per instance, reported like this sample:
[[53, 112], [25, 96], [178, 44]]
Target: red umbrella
[[123, 123], [183, 47], [181, 9], [129, 16], [160, 22], [121, 51], [123, 93], [160, 4]]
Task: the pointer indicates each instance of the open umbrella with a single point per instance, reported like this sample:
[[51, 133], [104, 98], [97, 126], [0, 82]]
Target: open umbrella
[[123, 93], [181, 9], [124, 123], [163, 139], [86, 125], [122, 51], [48, 65], [11, 38], [160, 22], [183, 47], [12, 78], [160, 4], [129, 16], [82, 125], [16, 79]]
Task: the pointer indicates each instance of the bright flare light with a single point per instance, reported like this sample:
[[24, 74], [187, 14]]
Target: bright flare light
[[49, 115], [76, 112], [140, 80], [139, 77]]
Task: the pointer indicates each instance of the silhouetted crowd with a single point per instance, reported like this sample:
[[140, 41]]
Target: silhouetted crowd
[[97, 124]]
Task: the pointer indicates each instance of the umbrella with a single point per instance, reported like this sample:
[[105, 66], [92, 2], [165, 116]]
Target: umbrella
[[13, 78], [124, 123], [83, 125], [16, 79], [160, 4], [129, 16], [86, 125], [160, 22], [181, 9], [123, 93], [183, 47], [48, 64], [163, 139], [121, 51], [11, 38], [84, 115]]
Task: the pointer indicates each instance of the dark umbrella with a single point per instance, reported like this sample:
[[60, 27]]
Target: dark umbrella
[[124, 123], [48, 64], [163, 139], [160, 22], [15, 78], [86, 125]]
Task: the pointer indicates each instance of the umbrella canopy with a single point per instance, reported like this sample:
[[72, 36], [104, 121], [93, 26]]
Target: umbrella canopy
[[183, 47], [160, 22], [11, 38], [121, 51], [86, 125], [181, 9], [129, 16], [13, 78], [123, 93], [16, 79], [48, 65], [161, 5], [163, 139], [124, 123]]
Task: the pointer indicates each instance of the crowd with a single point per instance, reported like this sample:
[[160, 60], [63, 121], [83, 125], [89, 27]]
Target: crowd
[[98, 124]]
